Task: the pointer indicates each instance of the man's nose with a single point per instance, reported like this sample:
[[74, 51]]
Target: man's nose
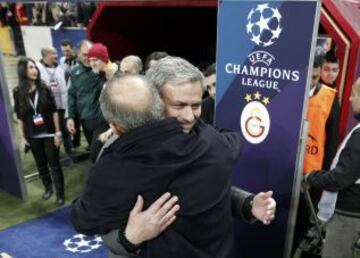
[[188, 114]]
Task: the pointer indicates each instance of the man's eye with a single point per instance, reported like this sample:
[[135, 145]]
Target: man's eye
[[178, 106]]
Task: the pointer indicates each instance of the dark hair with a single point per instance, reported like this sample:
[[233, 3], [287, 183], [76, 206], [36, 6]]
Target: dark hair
[[23, 88], [67, 42], [210, 70], [157, 55], [330, 57], [317, 62]]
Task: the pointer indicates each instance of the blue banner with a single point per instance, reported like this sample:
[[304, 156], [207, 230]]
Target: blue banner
[[11, 179], [73, 34], [264, 53]]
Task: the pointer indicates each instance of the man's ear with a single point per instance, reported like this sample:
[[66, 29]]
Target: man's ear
[[116, 129]]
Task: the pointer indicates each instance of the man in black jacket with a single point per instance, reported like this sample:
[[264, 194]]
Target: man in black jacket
[[343, 177], [181, 86], [154, 156]]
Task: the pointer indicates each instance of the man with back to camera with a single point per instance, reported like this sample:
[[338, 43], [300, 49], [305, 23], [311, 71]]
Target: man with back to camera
[[262, 200]]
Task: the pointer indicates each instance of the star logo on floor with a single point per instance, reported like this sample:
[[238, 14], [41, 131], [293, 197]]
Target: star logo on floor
[[82, 244]]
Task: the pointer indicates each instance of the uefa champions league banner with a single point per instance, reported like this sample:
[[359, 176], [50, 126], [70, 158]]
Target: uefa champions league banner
[[11, 179], [264, 54]]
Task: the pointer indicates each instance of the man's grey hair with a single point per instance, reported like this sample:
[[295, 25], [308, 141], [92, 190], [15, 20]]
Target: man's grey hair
[[46, 50], [83, 42], [174, 70], [135, 60], [127, 117]]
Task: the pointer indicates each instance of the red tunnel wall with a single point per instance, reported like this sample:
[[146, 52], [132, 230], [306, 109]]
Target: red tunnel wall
[[182, 28]]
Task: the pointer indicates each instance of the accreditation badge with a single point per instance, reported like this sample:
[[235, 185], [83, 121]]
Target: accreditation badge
[[38, 120], [53, 84]]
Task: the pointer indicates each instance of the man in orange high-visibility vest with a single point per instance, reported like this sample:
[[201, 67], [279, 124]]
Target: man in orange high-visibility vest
[[323, 116]]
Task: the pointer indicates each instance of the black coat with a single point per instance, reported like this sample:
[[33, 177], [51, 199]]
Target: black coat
[[342, 178], [157, 158]]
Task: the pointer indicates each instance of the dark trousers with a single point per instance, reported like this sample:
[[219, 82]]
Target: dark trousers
[[97, 145], [77, 134], [45, 153], [65, 133], [303, 219], [89, 126]]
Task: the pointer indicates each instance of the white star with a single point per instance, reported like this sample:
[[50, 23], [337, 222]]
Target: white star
[[276, 33], [269, 43], [71, 249], [67, 242], [249, 27], [263, 23], [98, 238], [276, 13], [83, 242], [256, 39], [261, 7], [250, 14], [94, 247]]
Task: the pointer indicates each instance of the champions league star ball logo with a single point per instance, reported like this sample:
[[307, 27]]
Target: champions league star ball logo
[[264, 25], [255, 119], [82, 244]]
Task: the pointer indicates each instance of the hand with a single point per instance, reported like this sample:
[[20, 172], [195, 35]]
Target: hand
[[304, 184], [148, 224], [263, 207], [103, 137], [25, 142], [71, 125], [57, 141]]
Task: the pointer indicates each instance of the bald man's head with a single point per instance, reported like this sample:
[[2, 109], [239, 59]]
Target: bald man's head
[[130, 101], [49, 56], [131, 65]]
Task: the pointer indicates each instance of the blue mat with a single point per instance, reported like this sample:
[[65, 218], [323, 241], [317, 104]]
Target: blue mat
[[50, 236]]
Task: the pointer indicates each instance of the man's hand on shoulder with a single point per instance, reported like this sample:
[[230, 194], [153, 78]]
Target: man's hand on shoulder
[[264, 207]]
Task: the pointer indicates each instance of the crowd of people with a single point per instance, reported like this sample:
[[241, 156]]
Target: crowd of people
[[149, 130], [70, 14]]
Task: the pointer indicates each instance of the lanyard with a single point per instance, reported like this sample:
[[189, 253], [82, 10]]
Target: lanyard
[[35, 103], [51, 75]]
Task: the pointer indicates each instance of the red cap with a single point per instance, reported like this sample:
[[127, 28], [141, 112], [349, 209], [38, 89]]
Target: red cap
[[99, 51]]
